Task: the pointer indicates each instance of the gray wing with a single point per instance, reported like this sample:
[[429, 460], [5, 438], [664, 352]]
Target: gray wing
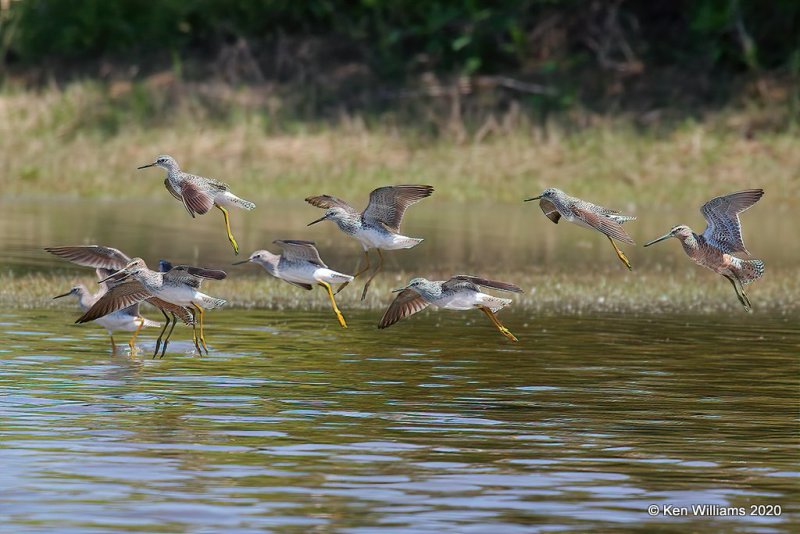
[[298, 250], [550, 210], [603, 223], [192, 276], [102, 274], [328, 201], [406, 304], [117, 298], [388, 204], [92, 256], [724, 229], [485, 282]]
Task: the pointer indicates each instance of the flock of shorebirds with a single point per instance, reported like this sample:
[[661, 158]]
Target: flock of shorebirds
[[125, 282]]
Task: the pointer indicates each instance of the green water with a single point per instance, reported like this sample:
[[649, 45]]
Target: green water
[[437, 424]]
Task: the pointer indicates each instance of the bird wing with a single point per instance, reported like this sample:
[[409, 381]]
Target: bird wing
[[550, 210], [184, 313], [603, 224], [724, 229], [92, 256], [118, 297], [302, 285], [406, 304], [195, 199], [177, 194], [388, 204], [328, 201], [298, 250], [192, 276], [104, 274], [485, 282]]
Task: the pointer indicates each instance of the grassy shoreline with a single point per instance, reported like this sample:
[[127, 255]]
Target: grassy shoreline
[[84, 141], [662, 293]]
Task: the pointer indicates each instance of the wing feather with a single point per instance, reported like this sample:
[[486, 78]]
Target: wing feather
[[485, 282], [184, 313], [603, 224], [328, 201], [195, 199], [550, 210], [116, 298], [298, 250], [387, 205], [724, 229], [406, 304], [92, 256]]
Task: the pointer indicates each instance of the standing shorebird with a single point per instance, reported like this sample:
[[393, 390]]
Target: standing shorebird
[[127, 320], [556, 204], [111, 260], [378, 226], [300, 265], [461, 292], [179, 286], [199, 194], [722, 237]]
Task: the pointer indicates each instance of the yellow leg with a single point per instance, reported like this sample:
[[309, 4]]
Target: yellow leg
[[194, 331], [132, 342], [503, 330], [377, 269], [228, 229], [338, 313], [202, 334], [113, 344], [359, 271], [620, 254]]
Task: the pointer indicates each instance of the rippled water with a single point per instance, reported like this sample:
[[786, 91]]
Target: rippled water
[[437, 424]]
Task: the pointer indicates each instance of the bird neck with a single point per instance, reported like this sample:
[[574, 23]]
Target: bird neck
[[348, 224], [690, 243], [85, 299]]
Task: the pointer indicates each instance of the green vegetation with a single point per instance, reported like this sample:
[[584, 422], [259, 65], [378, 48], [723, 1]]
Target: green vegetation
[[687, 291], [58, 144]]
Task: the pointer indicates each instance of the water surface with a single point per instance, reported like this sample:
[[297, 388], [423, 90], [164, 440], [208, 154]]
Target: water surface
[[436, 424]]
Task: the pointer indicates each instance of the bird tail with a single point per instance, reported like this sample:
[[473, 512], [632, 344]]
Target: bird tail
[[493, 303], [151, 323], [616, 217], [232, 200], [210, 303], [750, 270]]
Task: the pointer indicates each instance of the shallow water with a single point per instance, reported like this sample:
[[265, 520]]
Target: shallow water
[[436, 424], [472, 238]]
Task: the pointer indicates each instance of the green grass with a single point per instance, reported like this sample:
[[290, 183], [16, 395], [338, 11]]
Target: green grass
[[88, 139], [690, 291]]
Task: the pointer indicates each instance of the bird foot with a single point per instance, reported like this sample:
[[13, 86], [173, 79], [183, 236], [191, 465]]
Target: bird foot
[[506, 332], [340, 317]]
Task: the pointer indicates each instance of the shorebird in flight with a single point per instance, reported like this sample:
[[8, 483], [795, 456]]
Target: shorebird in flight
[[378, 226], [460, 292], [556, 204], [300, 265], [722, 238], [199, 194]]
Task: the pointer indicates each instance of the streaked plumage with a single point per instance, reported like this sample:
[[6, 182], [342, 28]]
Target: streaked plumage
[[179, 286], [300, 265], [378, 226], [556, 204], [460, 292], [199, 194], [112, 259], [127, 319], [722, 238]]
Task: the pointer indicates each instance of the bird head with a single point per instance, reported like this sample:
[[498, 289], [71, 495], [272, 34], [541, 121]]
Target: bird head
[[165, 162], [681, 232], [333, 213], [76, 291], [548, 193]]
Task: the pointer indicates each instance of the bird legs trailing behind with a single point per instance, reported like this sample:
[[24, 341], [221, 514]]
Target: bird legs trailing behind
[[336, 310], [228, 229], [496, 322]]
